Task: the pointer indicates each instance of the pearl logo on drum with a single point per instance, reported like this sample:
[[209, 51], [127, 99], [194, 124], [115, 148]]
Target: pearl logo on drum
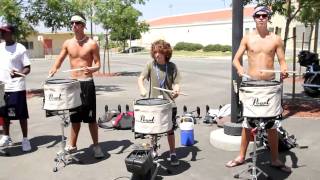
[[54, 98], [258, 102], [143, 119]]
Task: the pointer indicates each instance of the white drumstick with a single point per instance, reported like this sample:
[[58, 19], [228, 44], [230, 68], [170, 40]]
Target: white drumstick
[[167, 90], [246, 76], [78, 69], [23, 75], [277, 71]]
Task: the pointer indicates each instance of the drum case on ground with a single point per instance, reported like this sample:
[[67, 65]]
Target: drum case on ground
[[139, 161]]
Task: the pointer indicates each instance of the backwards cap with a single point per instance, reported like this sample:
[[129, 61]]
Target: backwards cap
[[78, 18], [261, 9]]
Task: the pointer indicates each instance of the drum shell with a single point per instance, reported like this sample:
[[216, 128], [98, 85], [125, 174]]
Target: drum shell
[[2, 101], [261, 101], [64, 96], [153, 119]]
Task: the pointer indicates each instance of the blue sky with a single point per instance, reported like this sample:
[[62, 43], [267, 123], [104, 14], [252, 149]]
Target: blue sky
[[159, 8]]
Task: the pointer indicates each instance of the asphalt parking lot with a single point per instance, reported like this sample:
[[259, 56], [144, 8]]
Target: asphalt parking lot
[[206, 80]]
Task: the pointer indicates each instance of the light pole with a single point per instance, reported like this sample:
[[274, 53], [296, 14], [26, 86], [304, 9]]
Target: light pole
[[237, 32]]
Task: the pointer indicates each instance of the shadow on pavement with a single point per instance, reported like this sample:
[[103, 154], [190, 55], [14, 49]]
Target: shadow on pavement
[[36, 142], [128, 73], [264, 161], [86, 155], [182, 152], [108, 88]]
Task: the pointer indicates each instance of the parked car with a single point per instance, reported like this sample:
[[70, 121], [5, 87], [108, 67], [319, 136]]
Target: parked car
[[133, 49]]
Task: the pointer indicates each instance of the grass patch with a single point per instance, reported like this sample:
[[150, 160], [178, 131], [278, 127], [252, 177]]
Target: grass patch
[[200, 53]]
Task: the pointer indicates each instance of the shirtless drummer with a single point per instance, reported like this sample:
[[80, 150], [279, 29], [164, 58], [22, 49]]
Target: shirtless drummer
[[261, 46], [83, 52]]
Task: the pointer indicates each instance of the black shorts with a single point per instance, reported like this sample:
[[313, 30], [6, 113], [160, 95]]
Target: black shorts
[[16, 107], [87, 112]]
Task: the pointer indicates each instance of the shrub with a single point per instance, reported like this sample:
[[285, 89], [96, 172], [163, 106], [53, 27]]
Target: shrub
[[217, 47], [187, 46]]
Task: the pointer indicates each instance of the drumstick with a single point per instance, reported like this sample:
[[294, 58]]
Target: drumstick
[[78, 69], [23, 75], [246, 76], [167, 90], [277, 71]]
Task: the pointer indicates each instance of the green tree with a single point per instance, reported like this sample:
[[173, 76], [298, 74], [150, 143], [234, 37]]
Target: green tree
[[11, 11], [119, 19], [310, 16], [54, 14]]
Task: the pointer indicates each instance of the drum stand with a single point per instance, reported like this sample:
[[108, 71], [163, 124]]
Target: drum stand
[[252, 168], [156, 160], [63, 156]]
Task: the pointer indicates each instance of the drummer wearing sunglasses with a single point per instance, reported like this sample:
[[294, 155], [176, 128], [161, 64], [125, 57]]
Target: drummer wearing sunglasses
[[261, 47], [83, 53]]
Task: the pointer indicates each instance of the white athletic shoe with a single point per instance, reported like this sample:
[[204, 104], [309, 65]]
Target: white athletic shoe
[[25, 145], [5, 141]]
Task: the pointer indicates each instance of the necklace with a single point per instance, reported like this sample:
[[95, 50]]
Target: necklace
[[81, 40]]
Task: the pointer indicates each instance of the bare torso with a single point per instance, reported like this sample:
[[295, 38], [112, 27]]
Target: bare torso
[[80, 55], [261, 52]]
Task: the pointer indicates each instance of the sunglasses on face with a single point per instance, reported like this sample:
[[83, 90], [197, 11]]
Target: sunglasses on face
[[75, 22], [261, 15]]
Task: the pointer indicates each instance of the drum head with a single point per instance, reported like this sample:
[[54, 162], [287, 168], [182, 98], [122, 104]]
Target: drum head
[[259, 83], [152, 101], [60, 81]]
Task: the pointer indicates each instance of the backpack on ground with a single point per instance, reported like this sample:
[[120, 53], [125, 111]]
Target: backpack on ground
[[286, 141], [123, 120], [115, 119]]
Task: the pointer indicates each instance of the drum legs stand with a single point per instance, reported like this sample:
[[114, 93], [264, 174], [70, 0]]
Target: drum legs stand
[[64, 156], [156, 160], [252, 168]]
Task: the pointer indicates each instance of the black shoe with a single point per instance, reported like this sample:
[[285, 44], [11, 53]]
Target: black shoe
[[174, 161]]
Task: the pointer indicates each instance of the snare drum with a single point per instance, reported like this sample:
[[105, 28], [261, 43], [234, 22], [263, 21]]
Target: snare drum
[[2, 102], [61, 94], [152, 116], [261, 99]]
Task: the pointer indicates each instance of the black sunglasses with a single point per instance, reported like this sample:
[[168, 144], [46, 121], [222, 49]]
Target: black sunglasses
[[261, 15], [75, 22]]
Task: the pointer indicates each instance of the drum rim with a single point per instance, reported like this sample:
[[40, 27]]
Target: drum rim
[[70, 81], [243, 83], [167, 102]]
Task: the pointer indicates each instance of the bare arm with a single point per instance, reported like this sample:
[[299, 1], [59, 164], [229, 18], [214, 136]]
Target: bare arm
[[237, 58], [281, 58], [60, 59], [142, 89], [96, 59], [25, 71]]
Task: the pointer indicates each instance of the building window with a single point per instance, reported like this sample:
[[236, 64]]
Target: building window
[[246, 30], [278, 31], [28, 44]]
